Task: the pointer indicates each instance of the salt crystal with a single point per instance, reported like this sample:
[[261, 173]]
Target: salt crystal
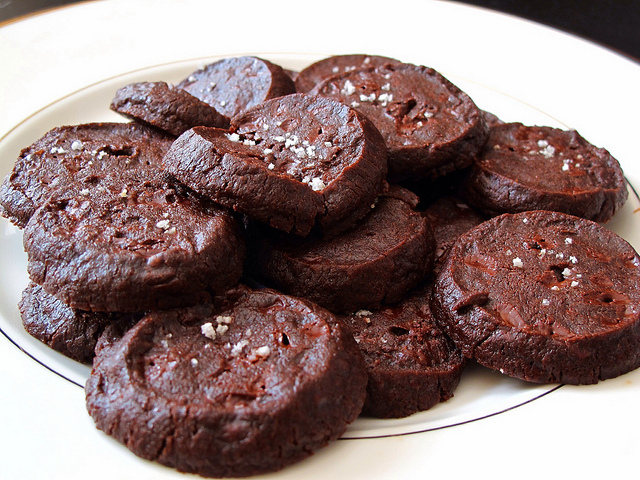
[[163, 224], [368, 98], [317, 184], [263, 351], [208, 330], [348, 88], [311, 151], [238, 347], [548, 151]]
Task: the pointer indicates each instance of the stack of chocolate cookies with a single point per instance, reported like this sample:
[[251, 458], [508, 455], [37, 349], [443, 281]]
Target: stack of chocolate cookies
[[262, 255]]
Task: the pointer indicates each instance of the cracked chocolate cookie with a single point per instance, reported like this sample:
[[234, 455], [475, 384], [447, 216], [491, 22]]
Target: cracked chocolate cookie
[[430, 126], [226, 390], [132, 244], [65, 154], [543, 296], [542, 168], [293, 162]]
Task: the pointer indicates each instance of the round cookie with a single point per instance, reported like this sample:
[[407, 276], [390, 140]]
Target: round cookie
[[430, 126], [232, 85], [80, 151], [134, 244], [72, 332], [376, 262], [412, 364], [543, 296], [166, 107], [542, 168], [234, 390], [326, 68], [293, 162]]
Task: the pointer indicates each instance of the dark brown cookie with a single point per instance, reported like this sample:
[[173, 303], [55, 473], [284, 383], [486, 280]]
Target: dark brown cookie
[[377, 262], [292, 162], [529, 168], [430, 126], [166, 107], [412, 364], [132, 245], [68, 153], [72, 332], [235, 391], [543, 296], [234, 84], [449, 218], [326, 68]]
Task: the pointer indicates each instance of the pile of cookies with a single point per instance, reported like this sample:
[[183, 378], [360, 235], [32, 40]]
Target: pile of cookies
[[260, 256]]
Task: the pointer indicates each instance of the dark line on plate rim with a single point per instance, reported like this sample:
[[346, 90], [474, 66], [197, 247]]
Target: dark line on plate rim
[[51, 369], [433, 429]]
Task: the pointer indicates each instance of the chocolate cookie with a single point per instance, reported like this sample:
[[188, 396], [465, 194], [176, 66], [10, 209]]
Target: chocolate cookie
[[72, 332], [326, 68], [529, 168], [166, 107], [68, 153], [238, 390], [449, 218], [412, 364], [543, 296], [291, 162], [134, 245], [430, 126], [377, 262], [234, 84]]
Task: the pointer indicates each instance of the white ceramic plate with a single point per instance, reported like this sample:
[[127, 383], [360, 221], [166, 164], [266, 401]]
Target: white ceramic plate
[[40, 393]]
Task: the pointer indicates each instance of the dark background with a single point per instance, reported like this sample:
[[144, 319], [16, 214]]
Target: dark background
[[612, 23]]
